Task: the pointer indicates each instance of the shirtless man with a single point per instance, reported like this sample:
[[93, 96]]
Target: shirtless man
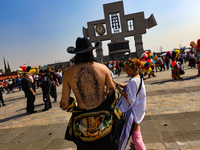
[[87, 79]]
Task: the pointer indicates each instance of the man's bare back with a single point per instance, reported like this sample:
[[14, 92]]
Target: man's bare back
[[87, 81]]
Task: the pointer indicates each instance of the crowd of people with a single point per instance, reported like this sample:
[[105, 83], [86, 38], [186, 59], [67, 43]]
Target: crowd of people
[[174, 61], [115, 67], [47, 80]]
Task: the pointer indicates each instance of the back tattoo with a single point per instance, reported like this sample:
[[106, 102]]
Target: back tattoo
[[88, 86]]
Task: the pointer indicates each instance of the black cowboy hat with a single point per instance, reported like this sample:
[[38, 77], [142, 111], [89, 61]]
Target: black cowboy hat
[[83, 45]]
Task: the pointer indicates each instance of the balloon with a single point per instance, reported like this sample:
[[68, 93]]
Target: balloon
[[32, 71], [146, 64], [150, 54], [193, 44], [169, 54], [177, 52], [173, 63], [173, 54], [23, 68], [147, 53], [144, 56], [149, 70], [28, 68], [143, 63], [198, 43], [1, 83]]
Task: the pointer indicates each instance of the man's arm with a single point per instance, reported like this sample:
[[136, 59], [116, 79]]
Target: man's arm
[[57, 82], [32, 91], [65, 93], [120, 84], [28, 83], [55, 79]]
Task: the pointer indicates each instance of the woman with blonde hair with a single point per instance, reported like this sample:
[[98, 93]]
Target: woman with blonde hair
[[132, 104]]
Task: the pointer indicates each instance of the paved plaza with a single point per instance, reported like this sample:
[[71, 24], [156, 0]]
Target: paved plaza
[[172, 118]]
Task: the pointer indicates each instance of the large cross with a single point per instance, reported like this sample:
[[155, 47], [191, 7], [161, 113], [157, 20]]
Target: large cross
[[116, 26]]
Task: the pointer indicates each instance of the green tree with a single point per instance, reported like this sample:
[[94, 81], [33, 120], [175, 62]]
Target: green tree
[[8, 70], [5, 67], [1, 71]]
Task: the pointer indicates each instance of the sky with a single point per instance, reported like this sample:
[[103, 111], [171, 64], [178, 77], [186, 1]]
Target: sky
[[38, 32]]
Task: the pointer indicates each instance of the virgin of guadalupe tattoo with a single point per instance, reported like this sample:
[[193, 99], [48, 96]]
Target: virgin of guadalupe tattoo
[[88, 86]]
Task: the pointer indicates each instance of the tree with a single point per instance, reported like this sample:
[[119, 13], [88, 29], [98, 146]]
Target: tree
[[1, 71], [8, 70], [5, 67]]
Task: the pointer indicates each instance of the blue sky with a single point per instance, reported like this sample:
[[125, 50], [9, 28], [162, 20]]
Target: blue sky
[[37, 32]]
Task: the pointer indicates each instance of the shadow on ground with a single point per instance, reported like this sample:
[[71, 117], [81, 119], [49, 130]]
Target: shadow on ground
[[21, 115], [170, 80]]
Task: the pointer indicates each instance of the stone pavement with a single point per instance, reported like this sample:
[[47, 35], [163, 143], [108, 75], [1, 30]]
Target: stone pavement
[[172, 118]]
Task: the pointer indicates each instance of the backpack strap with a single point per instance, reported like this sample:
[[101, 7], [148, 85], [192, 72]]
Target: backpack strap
[[139, 86]]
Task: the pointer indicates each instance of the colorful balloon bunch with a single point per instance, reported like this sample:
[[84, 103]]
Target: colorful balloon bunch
[[147, 62], [173, 54], [27, 69]]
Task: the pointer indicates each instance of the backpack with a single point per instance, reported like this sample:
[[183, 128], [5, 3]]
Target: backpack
[[45, 83]]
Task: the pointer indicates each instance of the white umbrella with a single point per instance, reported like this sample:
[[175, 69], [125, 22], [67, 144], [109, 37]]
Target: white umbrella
[[163, 54], [187, 50]]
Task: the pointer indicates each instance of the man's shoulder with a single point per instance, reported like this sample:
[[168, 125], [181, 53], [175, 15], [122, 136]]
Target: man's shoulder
[[95, 64], [102, 67], [99, 64], [73, 69]]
